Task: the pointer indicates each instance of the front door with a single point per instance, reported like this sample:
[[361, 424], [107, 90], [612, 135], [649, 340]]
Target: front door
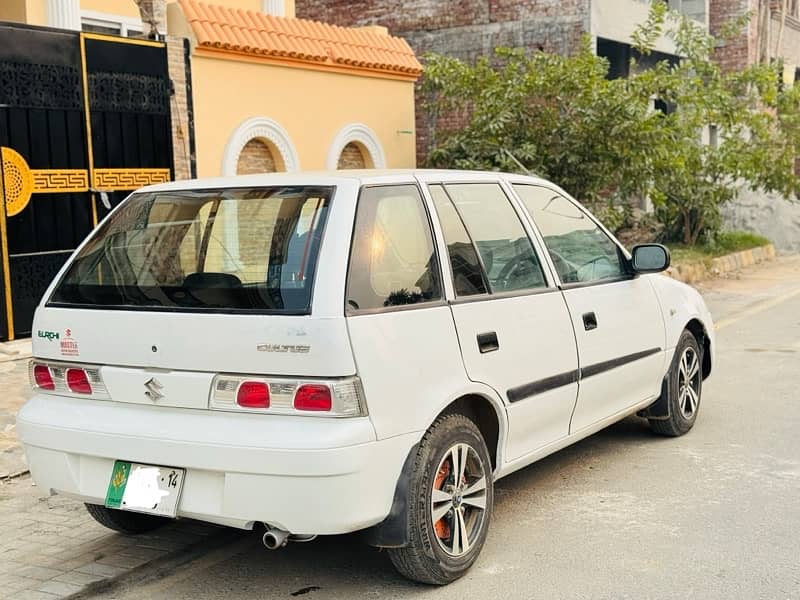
[[616, 316], [512, 322]]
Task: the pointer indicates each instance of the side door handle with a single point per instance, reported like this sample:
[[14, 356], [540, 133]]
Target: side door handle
[[589, 321], [487, 342]]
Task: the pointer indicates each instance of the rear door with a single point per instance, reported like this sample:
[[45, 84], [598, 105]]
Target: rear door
[[512, 322], [402, 333], [616, 316]]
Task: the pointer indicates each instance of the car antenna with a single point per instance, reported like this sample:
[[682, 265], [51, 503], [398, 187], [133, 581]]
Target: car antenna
[[519, 164]]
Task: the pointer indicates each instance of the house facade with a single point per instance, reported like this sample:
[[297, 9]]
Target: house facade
[[276, 93], [773, 33]]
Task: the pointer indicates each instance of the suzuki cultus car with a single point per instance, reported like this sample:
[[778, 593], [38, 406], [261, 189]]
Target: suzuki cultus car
[[327, 353]]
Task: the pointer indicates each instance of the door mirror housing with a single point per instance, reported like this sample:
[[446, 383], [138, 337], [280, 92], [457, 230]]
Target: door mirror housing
[[650, 258]]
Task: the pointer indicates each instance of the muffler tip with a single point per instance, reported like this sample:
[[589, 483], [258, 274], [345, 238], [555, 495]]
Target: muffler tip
[[275, 538]]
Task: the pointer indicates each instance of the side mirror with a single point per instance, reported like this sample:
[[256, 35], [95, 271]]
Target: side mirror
[[650, 258]]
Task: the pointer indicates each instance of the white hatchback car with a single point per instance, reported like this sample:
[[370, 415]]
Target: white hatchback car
[[326, 353]]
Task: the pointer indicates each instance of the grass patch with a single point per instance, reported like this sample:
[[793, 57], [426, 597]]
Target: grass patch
[[725, 243]]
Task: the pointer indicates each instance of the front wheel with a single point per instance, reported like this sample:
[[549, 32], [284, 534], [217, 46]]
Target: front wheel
[[684, 388], [451, 495]]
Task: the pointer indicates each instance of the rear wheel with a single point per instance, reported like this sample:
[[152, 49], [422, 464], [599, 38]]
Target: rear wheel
[[684, 388], [124, 521], [450, 503]]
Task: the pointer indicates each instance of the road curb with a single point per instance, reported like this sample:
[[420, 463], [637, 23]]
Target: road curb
[[695, 271]]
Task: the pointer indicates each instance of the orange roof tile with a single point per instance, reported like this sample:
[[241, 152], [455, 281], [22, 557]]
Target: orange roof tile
[[259, 34]]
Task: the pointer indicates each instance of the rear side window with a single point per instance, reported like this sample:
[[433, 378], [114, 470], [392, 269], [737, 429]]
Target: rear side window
[[465, 265], [240, 249], [506, 251], [392, 260], [580, 250]]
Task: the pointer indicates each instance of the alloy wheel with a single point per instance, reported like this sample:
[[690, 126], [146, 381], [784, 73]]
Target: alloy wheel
[[689, 383], [458, 499]]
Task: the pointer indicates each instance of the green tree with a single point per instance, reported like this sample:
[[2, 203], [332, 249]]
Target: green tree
[[561, 117]]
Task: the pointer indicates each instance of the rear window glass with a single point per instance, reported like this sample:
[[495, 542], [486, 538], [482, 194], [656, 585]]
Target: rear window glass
[[240, 249]]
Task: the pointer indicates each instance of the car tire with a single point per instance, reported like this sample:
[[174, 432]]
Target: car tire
[[684, 388], [124, 521], [436, 553]]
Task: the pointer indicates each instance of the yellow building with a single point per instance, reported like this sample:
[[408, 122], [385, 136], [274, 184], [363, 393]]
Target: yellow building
[[279, 93], [271, 92]]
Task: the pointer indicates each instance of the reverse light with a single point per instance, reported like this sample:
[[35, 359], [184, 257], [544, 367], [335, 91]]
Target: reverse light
[[42, 378], [78, 381], [311, 396], [277, 395], [253, 394]]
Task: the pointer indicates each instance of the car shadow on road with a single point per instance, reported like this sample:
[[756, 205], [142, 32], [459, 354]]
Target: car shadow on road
[[344, 564]]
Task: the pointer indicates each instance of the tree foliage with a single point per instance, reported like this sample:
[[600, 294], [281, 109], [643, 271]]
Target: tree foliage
[[561, 117]]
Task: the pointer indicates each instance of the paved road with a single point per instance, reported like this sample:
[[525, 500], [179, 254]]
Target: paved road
[[623, 514]]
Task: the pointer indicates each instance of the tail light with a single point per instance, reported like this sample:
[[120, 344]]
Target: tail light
[[311, 396], [253, 394], [322, 398], [78, 381], [42, 378], [67, 379]]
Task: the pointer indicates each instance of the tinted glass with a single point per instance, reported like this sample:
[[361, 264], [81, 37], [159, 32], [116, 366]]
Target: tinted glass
[[468, 278], [506, 252], [392, 260], [251, 248], [581, 251]]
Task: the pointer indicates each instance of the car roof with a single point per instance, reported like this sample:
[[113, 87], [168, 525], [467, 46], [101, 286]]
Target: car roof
[[359, 176]]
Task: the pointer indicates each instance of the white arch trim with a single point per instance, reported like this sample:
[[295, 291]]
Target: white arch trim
[[259, 128], [363, 135]]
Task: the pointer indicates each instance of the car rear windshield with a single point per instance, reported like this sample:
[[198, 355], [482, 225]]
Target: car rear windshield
[[251, 249]]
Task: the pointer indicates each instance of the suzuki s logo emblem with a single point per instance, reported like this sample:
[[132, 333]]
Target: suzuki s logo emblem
[[153, 389]]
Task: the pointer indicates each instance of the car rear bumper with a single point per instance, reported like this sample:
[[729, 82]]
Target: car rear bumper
[[302, 474]]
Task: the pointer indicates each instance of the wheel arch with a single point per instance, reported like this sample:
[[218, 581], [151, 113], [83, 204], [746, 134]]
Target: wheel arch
[[488, 417], [483, 412], [698, 330]]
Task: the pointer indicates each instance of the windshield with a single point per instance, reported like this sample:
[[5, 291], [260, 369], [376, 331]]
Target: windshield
[[240, 249]]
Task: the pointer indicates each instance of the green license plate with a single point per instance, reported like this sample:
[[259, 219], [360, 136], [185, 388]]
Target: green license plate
[[145, 488]]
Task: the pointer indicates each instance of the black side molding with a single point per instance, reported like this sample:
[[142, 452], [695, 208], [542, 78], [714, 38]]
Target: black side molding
[[526, 390], [607, 365], [392, 532]]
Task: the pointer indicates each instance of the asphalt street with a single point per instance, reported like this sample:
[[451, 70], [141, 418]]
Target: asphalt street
[[623, 514]]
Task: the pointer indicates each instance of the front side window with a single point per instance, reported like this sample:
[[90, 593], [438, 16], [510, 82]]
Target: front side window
[[581, 251], [392, 260], [506, 252], [244, 249]]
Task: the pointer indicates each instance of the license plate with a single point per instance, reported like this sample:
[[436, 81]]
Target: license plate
[[145, 488]]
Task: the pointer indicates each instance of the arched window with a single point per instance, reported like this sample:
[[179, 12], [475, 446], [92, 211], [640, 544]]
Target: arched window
[[352, 157], [254, 144], [352, 140]]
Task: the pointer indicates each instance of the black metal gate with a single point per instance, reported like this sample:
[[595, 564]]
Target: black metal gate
[[84, 118]]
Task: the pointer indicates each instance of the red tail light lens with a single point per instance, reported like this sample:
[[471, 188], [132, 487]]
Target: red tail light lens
[[313, 397], [43, 377], [253, 394], [78, 381]]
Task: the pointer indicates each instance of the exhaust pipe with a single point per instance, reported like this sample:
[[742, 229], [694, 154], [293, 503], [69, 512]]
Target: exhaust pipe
[[275, 538]]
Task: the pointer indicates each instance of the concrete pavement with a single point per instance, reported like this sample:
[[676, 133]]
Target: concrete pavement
[[14, 390], [621, 515]]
